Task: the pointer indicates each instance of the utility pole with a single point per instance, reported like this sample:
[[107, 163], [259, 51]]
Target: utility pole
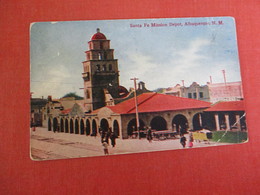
[[224, 74], [136, 108]]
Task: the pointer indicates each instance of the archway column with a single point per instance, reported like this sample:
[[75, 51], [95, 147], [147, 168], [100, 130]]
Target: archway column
[[200, 119], [217, 122], [238, 122], [227, 121]]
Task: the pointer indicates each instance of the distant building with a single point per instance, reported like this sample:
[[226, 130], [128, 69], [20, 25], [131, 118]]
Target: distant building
[[36, 111], [194, 91], [230, 91], [174, 91], [212, 92]]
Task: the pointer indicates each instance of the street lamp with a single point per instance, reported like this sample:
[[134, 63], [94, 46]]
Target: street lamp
[[136, 107]]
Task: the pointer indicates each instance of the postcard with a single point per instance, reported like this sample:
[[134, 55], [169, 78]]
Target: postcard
[[108, 87]]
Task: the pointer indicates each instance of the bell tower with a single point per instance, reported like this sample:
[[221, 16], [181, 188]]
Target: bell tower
[[100, 72]]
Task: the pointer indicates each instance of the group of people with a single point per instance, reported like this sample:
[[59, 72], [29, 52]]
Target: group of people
[[105, 137]]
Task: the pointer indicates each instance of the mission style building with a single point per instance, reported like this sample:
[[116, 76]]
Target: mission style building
[[109, 106]]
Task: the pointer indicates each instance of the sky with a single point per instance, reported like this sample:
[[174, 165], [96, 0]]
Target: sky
[[175, 49]]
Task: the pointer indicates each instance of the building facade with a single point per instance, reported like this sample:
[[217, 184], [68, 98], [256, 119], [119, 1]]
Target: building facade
[[230, 91]]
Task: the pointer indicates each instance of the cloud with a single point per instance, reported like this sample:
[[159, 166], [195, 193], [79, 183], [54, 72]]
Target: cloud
[[56, 82]]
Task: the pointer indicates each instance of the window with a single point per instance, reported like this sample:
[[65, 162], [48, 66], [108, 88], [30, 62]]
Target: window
[[99, 56], [104, 68], [194, 95], [87, 94], [189, 95], [201, 94], [110, 67], [98, 67]]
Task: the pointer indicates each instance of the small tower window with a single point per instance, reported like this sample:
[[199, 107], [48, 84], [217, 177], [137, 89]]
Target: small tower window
[[104, 68], [110, 67], [87, 94], [98, 67], [100, 56]]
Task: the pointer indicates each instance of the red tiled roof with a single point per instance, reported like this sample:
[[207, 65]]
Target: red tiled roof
[[227, 106], [98, 36], [154, 102]]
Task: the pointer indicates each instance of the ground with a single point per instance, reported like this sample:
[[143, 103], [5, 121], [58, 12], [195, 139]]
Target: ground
[[47, 145]]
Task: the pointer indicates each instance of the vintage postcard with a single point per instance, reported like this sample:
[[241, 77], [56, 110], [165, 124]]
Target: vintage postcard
[[107, 87]]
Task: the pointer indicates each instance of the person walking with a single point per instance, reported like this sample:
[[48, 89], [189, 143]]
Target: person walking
[[183, 141], [105, 147], [113, 139], [149, 135], [190, 144]]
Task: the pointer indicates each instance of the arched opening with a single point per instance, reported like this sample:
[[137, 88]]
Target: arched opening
[[104, 125], [55, 124], [87, 127], [66, 126], [61, 125], [197, 121], [232, 121], [180, 123], [94, 128], [222, 121], [110, 67], [208, 120], [49, 124], [131, 127], [71, 126], [82, 127], [116, 128], [76, 126], [158, 123]]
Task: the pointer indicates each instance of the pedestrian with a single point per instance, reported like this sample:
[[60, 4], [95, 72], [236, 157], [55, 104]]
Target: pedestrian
[[183, 141], [107, 135], [105, 146], [34, 128], [190, 144], [149, 135], [113, 139], [103, 135]]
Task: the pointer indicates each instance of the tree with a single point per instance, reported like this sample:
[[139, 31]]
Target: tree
[[73, 94]]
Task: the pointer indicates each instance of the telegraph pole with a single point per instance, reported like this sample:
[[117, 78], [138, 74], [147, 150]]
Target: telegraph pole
[[136, 107], [224, 75]]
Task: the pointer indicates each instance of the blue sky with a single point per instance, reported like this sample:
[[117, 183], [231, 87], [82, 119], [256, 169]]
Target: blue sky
[[158, 56]]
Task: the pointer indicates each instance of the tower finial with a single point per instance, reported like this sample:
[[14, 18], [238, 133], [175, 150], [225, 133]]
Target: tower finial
[[98, 30]]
